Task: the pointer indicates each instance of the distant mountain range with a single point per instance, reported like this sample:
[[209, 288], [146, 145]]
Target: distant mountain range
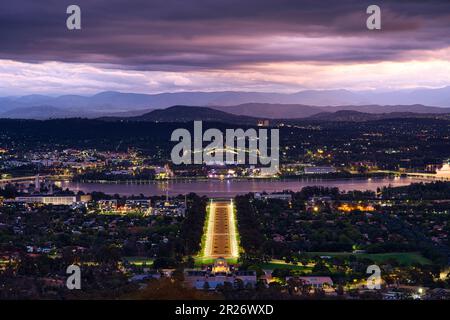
[[297, 111], [273, 111], [269, 105]]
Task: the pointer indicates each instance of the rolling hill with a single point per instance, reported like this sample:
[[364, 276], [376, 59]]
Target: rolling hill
[[192, 113], [187, 114], [356, 116]]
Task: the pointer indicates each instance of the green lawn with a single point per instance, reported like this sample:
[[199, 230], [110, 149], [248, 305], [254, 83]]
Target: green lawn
[[200, 261], [405, 258], [139, 261], [280, 264]]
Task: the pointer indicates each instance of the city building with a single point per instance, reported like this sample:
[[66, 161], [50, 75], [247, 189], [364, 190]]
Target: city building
[[219, 275], [315, 282], [140, 205], [107, 205], [444, 172], [53, 199], [320, 170], [263, 123], [169, 208], [279, 196]]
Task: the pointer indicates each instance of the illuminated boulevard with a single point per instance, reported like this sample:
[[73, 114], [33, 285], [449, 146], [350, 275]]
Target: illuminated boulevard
[[221, 236]]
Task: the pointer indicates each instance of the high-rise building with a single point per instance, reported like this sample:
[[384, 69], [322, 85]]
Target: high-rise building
[[444, 172]]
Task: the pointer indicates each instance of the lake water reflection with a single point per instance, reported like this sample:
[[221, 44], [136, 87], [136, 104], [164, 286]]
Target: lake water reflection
[[229, 188]]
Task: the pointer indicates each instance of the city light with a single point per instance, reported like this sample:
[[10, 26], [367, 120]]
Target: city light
[[232, 230], [209, 230]]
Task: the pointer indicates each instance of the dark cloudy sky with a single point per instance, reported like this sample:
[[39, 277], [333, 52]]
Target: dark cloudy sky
[[259, 45]]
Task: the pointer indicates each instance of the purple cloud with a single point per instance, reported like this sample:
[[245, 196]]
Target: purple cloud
[[191, 34]]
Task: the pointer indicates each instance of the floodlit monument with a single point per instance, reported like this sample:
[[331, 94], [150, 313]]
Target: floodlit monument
[[220, 266]]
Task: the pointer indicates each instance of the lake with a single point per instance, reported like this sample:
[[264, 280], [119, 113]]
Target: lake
[[230, 188]]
